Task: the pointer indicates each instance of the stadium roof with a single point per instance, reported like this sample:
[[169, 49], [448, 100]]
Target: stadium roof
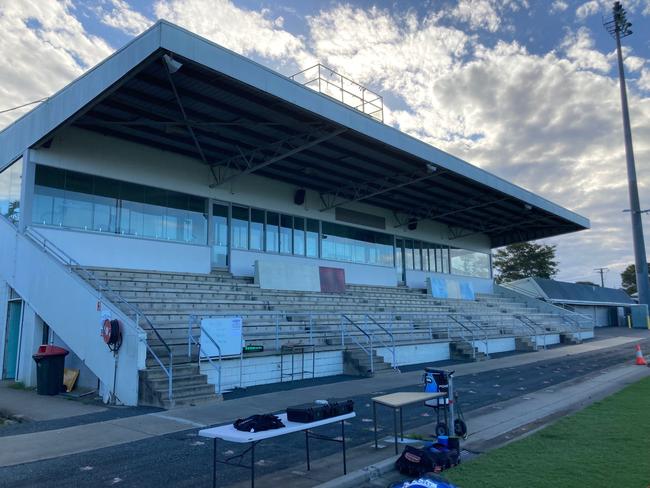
[[173, 90], [572, 293]]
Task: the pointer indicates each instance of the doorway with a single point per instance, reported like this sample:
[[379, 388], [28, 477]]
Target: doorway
[[12, 338]]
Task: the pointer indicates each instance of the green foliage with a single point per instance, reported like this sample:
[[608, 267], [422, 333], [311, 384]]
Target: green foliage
[[525, 260], [628, 279], [604, 445]]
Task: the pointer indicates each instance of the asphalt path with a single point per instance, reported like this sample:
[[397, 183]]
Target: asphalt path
[[183, 459]]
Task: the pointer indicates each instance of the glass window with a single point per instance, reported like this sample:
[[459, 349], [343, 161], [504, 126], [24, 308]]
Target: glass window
[[443, 259], [239, 227], [69, 199], [286, 231], [10, 182], [343, 243], [257, 229], [78, 201], [408, 253], [312, 238], [417, 257], [220, 237], [299, 236], [272, 224], [470, 263], [105, 206]]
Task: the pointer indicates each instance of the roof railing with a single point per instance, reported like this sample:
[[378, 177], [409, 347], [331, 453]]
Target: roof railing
[[328, 82]]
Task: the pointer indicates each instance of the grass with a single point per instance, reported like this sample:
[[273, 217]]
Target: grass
[[605, 445]]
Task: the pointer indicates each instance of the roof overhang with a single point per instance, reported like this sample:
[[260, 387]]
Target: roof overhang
[[239, 117]]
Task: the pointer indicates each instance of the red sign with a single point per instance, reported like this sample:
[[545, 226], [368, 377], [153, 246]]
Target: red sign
[[332, 280]]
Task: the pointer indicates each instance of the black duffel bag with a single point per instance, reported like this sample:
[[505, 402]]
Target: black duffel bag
[[258, 423]]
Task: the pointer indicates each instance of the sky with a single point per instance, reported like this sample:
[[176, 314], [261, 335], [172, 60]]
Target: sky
[[526, 89]]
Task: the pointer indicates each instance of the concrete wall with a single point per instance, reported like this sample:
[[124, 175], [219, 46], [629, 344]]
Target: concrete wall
[[263, 370], [112, 251], [416, 353], [86, 379], [69, 306], [4, 296], [243, 264]]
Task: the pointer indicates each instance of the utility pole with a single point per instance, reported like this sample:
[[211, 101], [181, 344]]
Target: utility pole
[[601, 272], [619, 28]]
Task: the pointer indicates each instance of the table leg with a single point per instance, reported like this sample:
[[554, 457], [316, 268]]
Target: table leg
[[395, 427], [374, 418], [253, 465], [401, 425], [307, 444], [214, 464], [345, 466]]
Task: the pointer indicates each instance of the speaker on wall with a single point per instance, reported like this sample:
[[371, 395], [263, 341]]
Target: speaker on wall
[[299, 196], [412, 224]]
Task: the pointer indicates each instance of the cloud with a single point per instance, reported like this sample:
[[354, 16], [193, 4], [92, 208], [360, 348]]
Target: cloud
[[120, 15], [550, 123], [486, 14], [559, 6], [44, 47], [579, 48], [244, 31]]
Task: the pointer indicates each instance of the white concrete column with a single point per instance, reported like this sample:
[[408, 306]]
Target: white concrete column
[[31, 335], [27, 191], [4, 295]]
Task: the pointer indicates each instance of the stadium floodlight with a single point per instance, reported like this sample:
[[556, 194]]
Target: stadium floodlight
[[619, 27]]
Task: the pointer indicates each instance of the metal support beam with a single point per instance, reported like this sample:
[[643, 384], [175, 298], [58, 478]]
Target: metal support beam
[[245, 162], [372, 188], [500, 227], [430, 215]]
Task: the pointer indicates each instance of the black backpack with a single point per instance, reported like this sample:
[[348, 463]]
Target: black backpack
[[416, 462], [258, 423]]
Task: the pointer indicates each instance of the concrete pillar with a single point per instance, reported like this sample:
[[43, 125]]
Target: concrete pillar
[[4, 295], [27, 191]]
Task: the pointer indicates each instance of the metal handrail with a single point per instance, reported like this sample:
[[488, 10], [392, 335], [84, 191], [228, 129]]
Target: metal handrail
[[533, 326], [369, 337], [71, 264], [485, 335], [463, 335], [190, 339], [392, 339]]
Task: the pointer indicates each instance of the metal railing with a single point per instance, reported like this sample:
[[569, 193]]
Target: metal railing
[[463, 336], [369, 350], [390, 335], [106, 293], [191, 339], [533, 326], [328, 82]]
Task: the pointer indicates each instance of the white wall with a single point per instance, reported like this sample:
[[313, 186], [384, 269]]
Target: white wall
[[69, 306], [86, 379], [418, 279], [4, 296], [111, 251], [243, 264], [31, 336], [416, 353], [261, 370]]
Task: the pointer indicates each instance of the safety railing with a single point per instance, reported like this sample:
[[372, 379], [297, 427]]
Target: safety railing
[[368, 349], [193, 321], [483, 332], [463, 335], [533, 327], [328, 82], [391, 347], [106, 293]]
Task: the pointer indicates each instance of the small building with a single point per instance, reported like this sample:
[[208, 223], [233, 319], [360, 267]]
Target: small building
[[607, 306]]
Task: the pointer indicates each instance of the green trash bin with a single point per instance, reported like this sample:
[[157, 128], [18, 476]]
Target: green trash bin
[[50, 361]]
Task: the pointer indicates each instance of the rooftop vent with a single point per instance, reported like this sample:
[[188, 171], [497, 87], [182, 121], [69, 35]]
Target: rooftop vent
[[328, 82]]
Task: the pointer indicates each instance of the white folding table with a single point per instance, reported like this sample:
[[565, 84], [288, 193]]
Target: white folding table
[[228, 433]]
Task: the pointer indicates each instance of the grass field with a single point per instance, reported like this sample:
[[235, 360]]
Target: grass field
[[605, 445]]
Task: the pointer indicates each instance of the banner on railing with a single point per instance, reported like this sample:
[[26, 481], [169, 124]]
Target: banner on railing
[[226, 332]]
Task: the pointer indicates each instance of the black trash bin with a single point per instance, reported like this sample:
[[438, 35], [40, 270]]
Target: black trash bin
[[49, 369]]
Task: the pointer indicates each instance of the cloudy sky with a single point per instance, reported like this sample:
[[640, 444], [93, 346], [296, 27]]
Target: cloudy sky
[[526, 89]]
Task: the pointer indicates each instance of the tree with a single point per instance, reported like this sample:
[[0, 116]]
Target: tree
[[525, 260], [628, 279]]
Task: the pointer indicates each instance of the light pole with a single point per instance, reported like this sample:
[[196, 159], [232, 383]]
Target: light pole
[[619, 27]]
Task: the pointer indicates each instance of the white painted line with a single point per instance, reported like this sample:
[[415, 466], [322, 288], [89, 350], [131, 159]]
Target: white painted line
[[178, 419]]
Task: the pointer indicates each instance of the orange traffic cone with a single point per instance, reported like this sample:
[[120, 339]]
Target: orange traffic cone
[[640, 361]]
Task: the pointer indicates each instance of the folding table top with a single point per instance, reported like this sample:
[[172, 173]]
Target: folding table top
[[403, 398], [230, 434]]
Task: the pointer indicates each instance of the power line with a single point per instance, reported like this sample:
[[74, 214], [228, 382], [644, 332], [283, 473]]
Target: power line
[[23, 105], [601, 272]]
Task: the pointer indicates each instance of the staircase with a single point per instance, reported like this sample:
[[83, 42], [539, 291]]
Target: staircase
[[357, 362], [273, 317], [525, 344], [464, 351]]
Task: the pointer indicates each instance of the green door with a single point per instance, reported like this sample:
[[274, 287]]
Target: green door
[[14, 311]]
